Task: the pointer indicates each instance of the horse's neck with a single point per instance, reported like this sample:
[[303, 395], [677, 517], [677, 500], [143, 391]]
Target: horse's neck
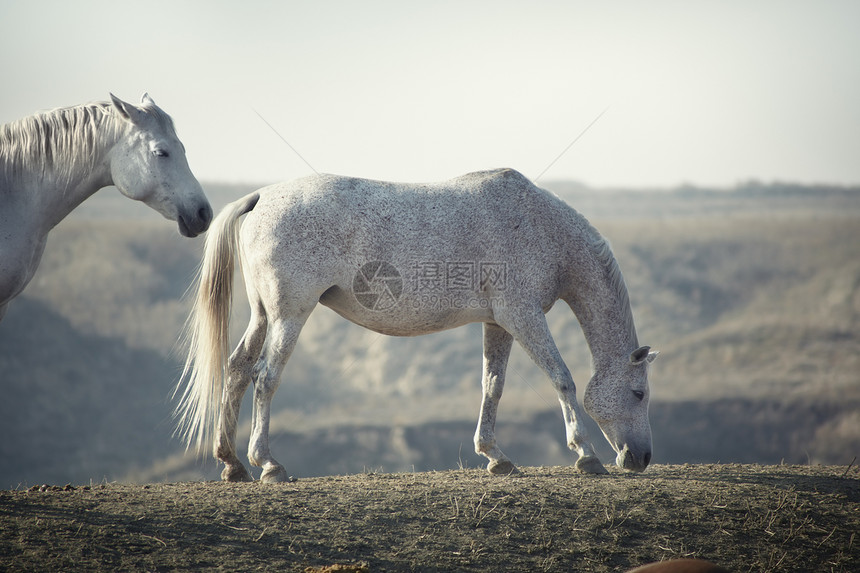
[[74, 193], [603, 310], [58, 190]]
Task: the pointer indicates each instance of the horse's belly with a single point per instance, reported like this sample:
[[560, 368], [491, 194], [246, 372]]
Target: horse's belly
[[407, 314]]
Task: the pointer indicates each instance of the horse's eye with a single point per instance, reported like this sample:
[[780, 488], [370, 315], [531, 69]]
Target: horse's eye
[[160, 153], [640, 395]]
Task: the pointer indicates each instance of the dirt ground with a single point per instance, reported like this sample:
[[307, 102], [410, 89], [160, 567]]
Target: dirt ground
[[744, 517]]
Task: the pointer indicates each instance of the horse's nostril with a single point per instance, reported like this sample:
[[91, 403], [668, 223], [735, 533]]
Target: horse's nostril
[[204, 215]]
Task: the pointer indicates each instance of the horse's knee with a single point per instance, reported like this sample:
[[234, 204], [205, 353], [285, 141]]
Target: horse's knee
[[493, 385]]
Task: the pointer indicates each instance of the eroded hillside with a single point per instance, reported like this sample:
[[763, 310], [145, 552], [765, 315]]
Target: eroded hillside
[[751, 296]]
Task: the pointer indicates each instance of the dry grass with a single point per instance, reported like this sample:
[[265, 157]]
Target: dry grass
[[746, 518]]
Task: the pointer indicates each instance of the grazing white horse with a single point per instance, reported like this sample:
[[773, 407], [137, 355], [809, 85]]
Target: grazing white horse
[[51, 162], [406, 260]]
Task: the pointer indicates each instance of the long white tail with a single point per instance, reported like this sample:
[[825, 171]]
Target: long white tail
[[207, 334]]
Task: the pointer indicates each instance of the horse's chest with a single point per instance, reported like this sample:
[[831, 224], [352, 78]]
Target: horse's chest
[[20, 254]]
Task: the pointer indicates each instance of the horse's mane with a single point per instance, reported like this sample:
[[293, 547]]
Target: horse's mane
[[62, 142], [602, 251]]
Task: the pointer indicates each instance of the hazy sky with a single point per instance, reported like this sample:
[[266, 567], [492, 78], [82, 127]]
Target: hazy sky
[[710, 93]]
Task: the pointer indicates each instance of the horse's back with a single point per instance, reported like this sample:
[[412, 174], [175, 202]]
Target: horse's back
[[461, 213], [462, 246]]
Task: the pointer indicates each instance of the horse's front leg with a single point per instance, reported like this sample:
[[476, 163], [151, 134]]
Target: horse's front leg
[[497, 349], [577, 435], [532, 332]]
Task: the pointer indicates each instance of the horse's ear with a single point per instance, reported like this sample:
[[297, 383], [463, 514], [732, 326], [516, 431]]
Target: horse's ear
[[126, 110], [146, 100], [642, 354], [119, 105]]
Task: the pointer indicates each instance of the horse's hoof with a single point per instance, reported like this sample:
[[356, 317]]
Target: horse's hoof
[[590, 465], [275, 474], [502, 468], [236, 473]]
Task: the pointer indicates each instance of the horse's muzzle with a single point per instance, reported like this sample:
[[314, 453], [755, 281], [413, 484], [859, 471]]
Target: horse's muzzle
[[631, 461], [191, 225]]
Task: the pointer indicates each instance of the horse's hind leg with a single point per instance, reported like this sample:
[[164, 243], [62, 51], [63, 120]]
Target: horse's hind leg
[[280, 342], [531, 331], [497, 348], [239, 373]]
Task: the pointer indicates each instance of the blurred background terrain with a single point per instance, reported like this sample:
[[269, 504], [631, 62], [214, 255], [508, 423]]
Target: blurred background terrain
[[751, 295]]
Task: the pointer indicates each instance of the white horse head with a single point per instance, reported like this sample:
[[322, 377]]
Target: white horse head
[[53, 161], [617, 399], [148, 164]]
